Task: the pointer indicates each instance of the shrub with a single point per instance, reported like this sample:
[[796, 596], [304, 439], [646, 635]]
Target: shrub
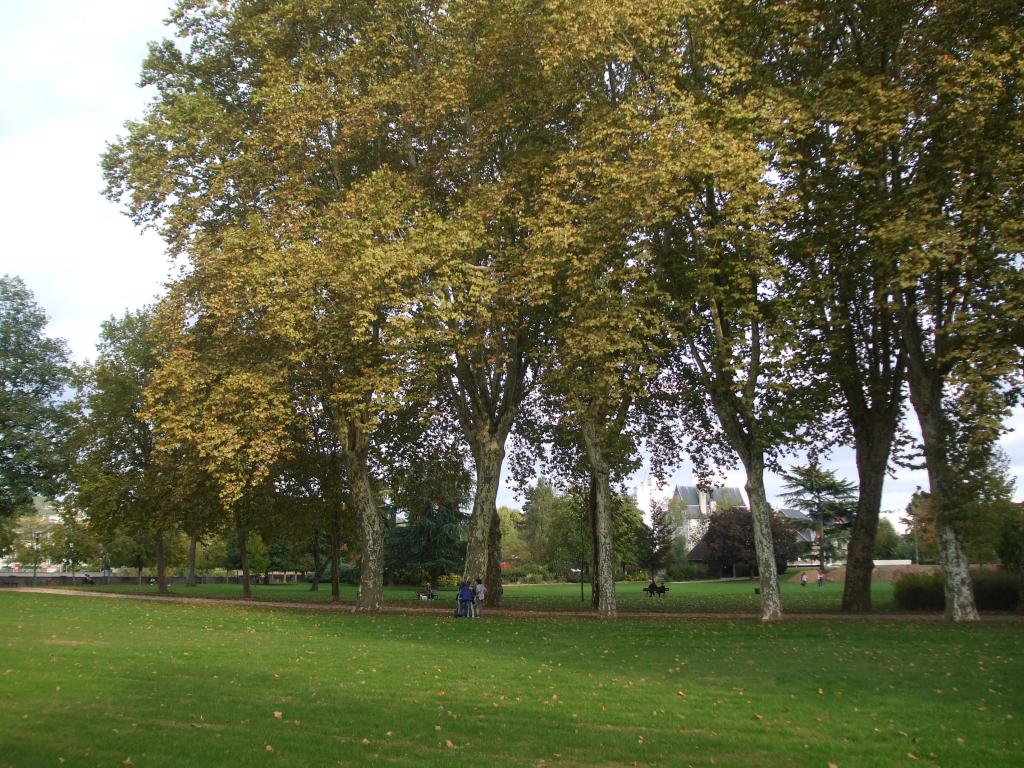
[[348, 573], [919, 592], [686, 572], [994, 590], [449, 581]]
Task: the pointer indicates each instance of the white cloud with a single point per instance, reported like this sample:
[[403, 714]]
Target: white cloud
[[68, 74]]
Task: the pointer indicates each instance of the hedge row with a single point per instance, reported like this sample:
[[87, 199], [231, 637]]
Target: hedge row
[[993, 591]]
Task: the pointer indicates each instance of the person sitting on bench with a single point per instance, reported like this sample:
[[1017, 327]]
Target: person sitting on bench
[[653, 589]]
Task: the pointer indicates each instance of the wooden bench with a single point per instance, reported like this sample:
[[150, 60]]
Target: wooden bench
[[427, 594], [658, 590]]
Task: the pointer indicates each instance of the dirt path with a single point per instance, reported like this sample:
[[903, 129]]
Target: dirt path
[[1016, 618]]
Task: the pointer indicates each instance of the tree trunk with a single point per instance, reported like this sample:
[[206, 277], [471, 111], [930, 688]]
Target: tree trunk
[[926, 395], [372, 529], [760, 511], [873, 446], [317, 572], [959, 591], [492, 581], [595, 584], [488, 454], [336, 556], [243, 556], [161, 563], [604, 529], [193, 543]]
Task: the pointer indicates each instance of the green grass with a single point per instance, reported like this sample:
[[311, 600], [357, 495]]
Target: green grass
[[90, 682], [690, 597]]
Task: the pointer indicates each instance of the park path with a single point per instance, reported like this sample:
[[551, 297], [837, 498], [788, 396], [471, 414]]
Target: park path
[[511, 612]]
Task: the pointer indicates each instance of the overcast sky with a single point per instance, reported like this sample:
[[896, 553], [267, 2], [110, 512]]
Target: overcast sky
[[68, 74]]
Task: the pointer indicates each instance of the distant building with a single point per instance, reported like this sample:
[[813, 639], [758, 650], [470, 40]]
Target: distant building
[[802, 523], [690, 507]]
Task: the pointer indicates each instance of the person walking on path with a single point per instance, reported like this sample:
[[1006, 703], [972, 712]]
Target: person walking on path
[[465, 600], [479, 593]]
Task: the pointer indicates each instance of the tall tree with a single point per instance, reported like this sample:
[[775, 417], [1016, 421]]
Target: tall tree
[[658, 539], [730, 539], [122, 482], [265, 159], [959, 155], [833, 153], [828, 501], [36, 410], [487, 132]]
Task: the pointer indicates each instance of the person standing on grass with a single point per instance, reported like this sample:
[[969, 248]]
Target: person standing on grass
[[821, 578], [479, 592], [465, 600], [803, 579]]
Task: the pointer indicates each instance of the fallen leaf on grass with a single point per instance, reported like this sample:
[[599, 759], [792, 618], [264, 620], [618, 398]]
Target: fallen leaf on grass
[[278, 715], [126, 761], [912, 756], [269, 748], [832, 765], [449, 745]]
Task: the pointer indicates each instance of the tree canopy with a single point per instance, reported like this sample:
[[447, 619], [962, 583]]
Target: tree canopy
[[36, 404], [598, 228]]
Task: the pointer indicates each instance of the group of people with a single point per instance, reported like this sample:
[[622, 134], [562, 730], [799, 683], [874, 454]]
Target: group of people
[[471, 600], [821, 578]]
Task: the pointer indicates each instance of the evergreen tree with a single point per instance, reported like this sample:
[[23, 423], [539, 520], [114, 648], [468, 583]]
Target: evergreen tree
[[829, 502]]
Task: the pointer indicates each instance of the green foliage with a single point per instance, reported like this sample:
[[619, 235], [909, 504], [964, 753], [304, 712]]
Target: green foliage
[[35, 413], [537, 511], [129, 491], [71, 543], [449, 581], [628, 531], [1011, 540], [730, 540], [31, 536], [683, 571], [994, 590], [656, 541], [432, 541], [829, 503], [513, 547], [919, 592], [256, 548], [395, 213]]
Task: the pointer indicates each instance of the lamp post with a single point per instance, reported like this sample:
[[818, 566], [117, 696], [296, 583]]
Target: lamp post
[[35, 556]]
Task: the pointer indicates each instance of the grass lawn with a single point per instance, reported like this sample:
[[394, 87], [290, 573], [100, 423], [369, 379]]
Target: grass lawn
[[689, 597], [90, 682]]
